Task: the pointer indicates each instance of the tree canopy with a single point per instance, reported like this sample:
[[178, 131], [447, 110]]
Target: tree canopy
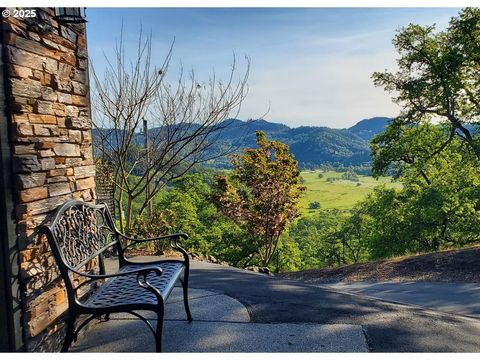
[[263, 194], [438, 75]]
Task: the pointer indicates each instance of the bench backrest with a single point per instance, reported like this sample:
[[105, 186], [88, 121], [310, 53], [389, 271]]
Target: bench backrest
[[80, 232]]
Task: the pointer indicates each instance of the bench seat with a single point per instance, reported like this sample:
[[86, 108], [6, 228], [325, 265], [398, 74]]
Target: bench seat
[[124, 290]]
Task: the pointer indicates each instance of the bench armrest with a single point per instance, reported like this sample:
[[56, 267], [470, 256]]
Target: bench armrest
[[164, 237], [175, 236], [174, 242]]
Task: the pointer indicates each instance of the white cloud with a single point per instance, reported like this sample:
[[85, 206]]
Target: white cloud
[[335, 92]]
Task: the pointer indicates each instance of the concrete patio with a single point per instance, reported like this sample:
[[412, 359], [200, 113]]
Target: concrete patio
[[221, 324]]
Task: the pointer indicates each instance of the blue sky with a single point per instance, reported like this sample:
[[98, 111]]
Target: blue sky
[[309, 66]]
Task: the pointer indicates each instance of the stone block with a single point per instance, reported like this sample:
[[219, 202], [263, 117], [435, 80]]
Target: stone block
[[19, 105], [59, 40], [67, 150], [73, 162], [82, 64], [45, 130], [61, 121], [60, 162], [20, 118], [80, 76], [10, 38], [65, 71], [25, 149], [26, 88], [47, 163], [36, 48], [26, 163], [48, 93], [65, 98], [69, 58], [42, 119], [19, 108], [20, 71], [83, 184], [87, 162], [87, 153], [82, 123], [33, 194], [81, 41], [27, 181], [87, 195], [75, 135], [43, 206], [26, 59], [50, 44], [71, 111], [44, 145], [23, 129], [79, 88], [82, 53], [68, 34], [16, 21], [62, 84], [46, 153], [16, 29], [57, 179], [84, 171], [46, 80], [57, 189], [57, 172], [59, 109], [87, 138], [79, 100], [34, 36], [44, 107]]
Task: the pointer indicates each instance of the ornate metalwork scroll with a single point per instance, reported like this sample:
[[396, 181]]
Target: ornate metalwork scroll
[[81, 231]]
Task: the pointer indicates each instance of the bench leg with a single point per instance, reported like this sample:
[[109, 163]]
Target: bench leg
[[185, 298], [158, 333], [70, 332]]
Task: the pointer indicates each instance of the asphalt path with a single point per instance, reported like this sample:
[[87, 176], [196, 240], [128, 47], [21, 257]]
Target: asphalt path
[[387, 326], [456, 298]]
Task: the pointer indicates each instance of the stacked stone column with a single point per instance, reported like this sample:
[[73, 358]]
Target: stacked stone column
[[50, 135]]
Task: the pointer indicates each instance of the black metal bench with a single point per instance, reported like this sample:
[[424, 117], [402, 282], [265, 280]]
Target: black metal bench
[[81, 232]]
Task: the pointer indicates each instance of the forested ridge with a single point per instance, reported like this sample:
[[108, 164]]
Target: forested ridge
[[312, 146]]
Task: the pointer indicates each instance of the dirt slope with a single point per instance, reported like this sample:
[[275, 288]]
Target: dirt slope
[[461, 265]]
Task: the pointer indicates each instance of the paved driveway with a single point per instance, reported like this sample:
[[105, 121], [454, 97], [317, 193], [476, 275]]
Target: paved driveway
[[387, 326], [456, 298]]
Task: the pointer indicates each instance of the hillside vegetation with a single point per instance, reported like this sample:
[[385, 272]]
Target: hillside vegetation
[[452, 265]]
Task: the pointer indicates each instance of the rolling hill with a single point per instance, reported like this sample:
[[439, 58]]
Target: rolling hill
[[311, 145]]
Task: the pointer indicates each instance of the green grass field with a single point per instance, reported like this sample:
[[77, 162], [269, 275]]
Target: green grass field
[[340, 194]]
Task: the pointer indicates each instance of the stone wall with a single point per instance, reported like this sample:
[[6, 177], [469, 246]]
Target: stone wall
[[50, 136]]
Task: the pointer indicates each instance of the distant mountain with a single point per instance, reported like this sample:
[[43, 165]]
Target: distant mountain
[[368, 128], [311, 145]]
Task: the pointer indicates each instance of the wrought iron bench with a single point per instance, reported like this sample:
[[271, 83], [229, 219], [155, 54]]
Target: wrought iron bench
[[81, 232]]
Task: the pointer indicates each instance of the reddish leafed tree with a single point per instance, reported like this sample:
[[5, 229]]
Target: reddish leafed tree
[[262, 195]]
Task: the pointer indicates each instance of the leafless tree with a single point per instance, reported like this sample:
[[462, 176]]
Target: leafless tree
[[185, 119]]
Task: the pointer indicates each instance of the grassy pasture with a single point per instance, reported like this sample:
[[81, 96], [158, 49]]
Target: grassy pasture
[[339, 194]]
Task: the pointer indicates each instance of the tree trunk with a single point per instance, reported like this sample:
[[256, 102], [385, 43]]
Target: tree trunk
[[120, 210], [129, 212]]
